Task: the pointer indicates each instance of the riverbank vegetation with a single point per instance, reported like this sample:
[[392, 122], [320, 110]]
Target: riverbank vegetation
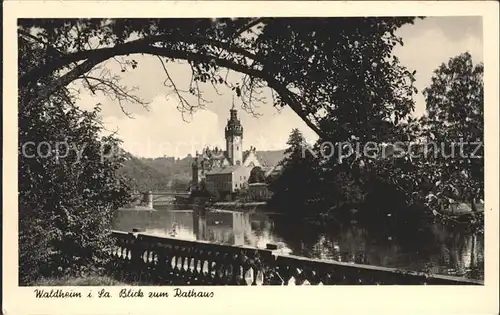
[[417, 167], [67, 191]]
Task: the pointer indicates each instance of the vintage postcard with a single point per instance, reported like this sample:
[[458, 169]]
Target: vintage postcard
[[201, 156]]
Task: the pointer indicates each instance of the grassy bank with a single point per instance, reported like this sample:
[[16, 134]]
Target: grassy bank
[[80, 281], [239, 205]]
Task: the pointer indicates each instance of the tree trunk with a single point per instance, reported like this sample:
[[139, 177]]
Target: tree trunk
[[473, 204]]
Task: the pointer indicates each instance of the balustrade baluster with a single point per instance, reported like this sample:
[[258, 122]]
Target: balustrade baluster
[[235, 270], [172, 261]]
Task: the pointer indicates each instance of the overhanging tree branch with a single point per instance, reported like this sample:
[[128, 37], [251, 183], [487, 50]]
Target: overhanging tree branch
[[67, 59], [97, 56]]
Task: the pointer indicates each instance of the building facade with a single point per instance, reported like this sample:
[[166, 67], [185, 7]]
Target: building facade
[[221, 182], [225, 171]]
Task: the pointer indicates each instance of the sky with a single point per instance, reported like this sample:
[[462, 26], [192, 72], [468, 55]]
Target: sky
[[162, 130]]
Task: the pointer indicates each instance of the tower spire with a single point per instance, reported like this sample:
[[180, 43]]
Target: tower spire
[[234, 137]]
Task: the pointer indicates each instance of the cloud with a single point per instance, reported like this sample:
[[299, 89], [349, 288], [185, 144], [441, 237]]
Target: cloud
[[426, 50], [163, 131], [274, 134]]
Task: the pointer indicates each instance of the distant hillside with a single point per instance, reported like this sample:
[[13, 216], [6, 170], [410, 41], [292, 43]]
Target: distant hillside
[[166, 173], [143, 176]]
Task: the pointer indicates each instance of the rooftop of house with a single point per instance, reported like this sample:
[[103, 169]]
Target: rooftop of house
[[217, 154], [246, 154], [224, 170]]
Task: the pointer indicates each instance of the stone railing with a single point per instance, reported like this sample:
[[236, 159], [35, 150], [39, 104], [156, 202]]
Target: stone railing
[[155, 260]]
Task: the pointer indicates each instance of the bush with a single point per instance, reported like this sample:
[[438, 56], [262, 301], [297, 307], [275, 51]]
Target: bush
[[68, 185], [65, 204]]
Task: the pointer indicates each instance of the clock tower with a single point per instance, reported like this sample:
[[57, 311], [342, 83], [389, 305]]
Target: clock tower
[[234, 138]]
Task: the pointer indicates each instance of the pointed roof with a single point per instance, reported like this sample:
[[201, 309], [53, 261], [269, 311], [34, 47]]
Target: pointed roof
[[233, 126]]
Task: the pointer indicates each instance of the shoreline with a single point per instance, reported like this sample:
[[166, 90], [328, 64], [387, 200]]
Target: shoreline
[[231, 205]]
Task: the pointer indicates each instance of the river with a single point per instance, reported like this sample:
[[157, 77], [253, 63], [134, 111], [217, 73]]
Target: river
[[435, 248]]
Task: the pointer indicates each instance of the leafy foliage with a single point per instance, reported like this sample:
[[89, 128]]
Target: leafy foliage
[[446, 162], [297, 182], [309, 67], [157, 174], [455, 106], [257, 175], [68, 187], [420, 165]]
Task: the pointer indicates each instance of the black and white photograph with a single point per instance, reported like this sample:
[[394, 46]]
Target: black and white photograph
[[193, 152]]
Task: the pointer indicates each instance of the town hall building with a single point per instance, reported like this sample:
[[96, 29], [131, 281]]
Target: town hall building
[[225, 171]]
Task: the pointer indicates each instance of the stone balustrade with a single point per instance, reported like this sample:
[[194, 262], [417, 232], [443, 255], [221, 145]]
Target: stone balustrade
[[168, 261]]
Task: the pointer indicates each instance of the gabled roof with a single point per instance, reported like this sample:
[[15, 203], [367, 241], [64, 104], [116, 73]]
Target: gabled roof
[[222, 156], [224, 170], [214, 154], [208, 156], [246, 153]]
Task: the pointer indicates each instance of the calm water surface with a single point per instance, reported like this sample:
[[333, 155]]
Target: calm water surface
[[435, 249]]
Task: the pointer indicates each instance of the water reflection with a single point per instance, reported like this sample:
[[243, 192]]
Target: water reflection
[[221, 226], [435, 249]]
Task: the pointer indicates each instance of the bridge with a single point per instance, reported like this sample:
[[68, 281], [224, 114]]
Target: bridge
[[170, 193], [168, 196], [146, 259], [158, 194], [162, 197]]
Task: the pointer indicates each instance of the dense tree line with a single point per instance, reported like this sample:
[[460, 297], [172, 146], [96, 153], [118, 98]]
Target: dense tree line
[[422, 164], [160, 174]]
